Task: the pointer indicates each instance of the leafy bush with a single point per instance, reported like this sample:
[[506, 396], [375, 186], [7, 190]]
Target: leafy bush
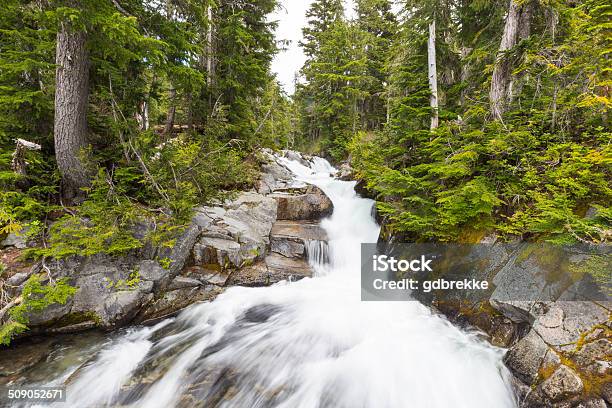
[[36, 296]]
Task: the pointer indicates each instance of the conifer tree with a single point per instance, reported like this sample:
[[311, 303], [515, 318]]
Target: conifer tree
[[378, 26]]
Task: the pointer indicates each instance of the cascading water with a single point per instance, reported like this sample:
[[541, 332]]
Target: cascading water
[[305, 344]]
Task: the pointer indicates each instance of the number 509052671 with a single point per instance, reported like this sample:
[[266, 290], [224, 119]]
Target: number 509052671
[[47, 394]]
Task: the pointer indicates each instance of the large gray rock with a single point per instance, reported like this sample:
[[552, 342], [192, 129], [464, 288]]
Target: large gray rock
[[17, 279], [182, 282], [293, 238], [111, 291], [175, 300], [563, 383], [253, 275], [274, 176], [18, 240], [296, 156], [346, 172], [525, 358], [309, 203], [181, 250], [563, 323], [121, 307], [238, 234], [283, 268]]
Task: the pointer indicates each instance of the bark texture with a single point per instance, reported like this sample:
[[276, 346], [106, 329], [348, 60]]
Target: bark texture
[[71, 98], [517, 26], [501, 72], [433, 74]]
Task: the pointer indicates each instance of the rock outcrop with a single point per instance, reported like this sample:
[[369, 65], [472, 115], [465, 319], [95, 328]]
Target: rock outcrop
[[235, 235], [559, 351], [307, 203], [274, 176], [238, 242]]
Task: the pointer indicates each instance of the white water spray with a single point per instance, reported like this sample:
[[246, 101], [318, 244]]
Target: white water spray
[[306, 344]]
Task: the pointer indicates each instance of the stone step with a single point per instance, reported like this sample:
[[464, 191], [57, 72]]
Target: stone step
[[291, 238]]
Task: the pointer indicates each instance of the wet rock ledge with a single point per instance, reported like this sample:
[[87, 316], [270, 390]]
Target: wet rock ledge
[[560, 352], [256, 239]]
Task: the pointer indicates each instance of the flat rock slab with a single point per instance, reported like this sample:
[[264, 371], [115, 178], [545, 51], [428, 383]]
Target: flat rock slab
[[274, 269], [303, 230], [281, 267], [236, 234]]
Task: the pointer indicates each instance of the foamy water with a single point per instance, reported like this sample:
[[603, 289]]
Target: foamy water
[[305, 344]]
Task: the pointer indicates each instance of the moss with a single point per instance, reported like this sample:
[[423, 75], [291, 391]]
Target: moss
[[583, 339], [472, 236], [78, 317], [593, 383], [545, 371], [213, 267]]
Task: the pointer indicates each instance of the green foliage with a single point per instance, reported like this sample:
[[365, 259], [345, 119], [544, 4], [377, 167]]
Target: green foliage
[[543, 172], [345, 73], [36, 296], [146, 60], [101, 224], [9, 330], [131, 283], [165, 262]]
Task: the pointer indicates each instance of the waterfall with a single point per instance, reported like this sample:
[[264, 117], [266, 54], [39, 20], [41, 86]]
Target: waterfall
[[317, 253], [306, 344]]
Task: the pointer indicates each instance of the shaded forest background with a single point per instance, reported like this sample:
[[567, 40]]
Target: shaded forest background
[[462, 118]]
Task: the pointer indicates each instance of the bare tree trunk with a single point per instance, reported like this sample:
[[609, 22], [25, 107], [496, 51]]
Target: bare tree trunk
[[500, 80], [143, 115], [210, 58], [524, 30], [433, 74], [18, 162], [71, 98], [209, 48], [169, 125], [171, 113]]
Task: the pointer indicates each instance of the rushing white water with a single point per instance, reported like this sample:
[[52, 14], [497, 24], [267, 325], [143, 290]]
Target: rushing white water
[[305, 344]]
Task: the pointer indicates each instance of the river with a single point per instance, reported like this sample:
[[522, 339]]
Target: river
[[306, 344]]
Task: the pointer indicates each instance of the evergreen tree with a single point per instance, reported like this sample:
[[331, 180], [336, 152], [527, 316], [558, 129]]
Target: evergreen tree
[[378, 26], [321, 15], [533, 166]]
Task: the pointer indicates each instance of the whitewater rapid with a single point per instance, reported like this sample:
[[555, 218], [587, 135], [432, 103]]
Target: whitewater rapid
[[306, 344]]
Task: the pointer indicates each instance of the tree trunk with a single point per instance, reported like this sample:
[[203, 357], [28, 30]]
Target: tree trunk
[[433, 74], [210, 59], [500, 80], [71, 98], [209, 49], [171, 113], [143, 115], [169, 126]]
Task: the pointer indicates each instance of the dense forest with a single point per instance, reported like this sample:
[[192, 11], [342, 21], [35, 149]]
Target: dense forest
[[468, 117], [113, 111], [462, 118]]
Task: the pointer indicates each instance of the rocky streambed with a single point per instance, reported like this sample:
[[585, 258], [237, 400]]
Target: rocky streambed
[[559, 352], [256, 239]]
